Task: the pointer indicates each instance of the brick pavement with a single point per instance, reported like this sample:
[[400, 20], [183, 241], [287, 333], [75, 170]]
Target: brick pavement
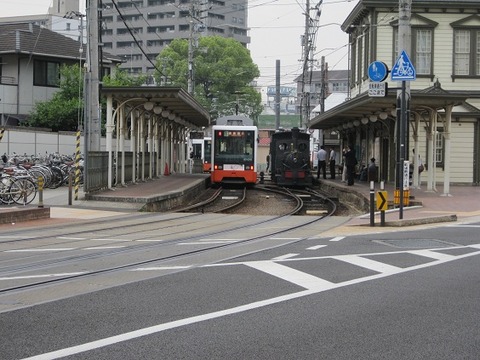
[[463, 201]]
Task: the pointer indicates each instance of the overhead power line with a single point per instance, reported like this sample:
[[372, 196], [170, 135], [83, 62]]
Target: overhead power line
[[135, 39]]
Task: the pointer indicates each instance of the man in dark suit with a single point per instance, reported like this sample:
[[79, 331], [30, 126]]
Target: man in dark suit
[[350, 163]]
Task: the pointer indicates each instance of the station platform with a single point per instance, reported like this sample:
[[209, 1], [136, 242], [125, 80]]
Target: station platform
[[160, 194], [150, 195], [462, 202]]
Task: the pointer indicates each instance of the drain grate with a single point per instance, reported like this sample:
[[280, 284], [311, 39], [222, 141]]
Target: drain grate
[[416, 243]]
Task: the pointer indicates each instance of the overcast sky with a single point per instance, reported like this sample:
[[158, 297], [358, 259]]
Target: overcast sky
[[276, 27]]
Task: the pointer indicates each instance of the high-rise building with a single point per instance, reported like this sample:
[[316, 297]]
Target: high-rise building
[[137, 30], [63, 17], [62, 7]]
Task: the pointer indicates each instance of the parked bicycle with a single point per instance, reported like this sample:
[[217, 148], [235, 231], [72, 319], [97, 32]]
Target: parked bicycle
[[18, 189]]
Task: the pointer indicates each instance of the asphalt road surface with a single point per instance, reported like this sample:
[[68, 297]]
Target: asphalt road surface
[[402, 295]]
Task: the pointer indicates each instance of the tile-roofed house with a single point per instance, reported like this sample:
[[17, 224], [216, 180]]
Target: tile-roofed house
[[30, 60], [26, 38]]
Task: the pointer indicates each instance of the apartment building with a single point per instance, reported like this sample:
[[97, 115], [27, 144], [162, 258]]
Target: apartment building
[[137, 30]]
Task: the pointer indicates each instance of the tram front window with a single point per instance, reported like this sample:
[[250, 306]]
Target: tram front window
[[235, 147]]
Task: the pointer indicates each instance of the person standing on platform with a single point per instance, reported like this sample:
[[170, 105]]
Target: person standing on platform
[[421, 168], [322, 162], [372, 170], [350, 163], [331, 162]]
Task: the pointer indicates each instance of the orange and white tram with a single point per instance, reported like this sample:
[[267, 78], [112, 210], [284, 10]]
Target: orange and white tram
[[234, 152], [207, 154], [201, 149]]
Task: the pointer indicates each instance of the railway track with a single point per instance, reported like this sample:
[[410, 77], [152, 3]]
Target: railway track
[[155, 240], [71, 256], [275, 201], [221, 200]]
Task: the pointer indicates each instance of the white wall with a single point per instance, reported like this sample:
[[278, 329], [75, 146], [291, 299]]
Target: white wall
[[31, 142], [461, 161]]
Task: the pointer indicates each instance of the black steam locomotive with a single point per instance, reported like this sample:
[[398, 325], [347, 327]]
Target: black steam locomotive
[[290, 158]]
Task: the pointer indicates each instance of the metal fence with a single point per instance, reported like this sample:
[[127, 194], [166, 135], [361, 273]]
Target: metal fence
[[96, 171]]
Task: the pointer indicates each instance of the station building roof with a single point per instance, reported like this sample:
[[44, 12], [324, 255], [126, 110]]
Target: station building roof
[[175, 99], [363, 105]]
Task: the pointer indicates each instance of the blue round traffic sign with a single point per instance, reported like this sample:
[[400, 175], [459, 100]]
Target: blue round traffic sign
[[377, 71]]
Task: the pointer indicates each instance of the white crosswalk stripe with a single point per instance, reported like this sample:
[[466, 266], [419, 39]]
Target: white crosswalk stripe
[[432, 254], [370, 264], [294, 276]]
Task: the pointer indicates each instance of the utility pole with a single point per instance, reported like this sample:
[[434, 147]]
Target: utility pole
[[92, 103], [92, 123], [79, 15], [305, 96], [190, 51], [308, 46], [277, 95], [193, 28], [403, 97], [323, 86]]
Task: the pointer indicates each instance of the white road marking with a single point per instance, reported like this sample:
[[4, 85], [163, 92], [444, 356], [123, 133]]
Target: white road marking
[[113, 240], [283, 257], [159, 268], [291, 275], [150, 240], [39, 250], [226, 240], [204, 243], [196, 243], [162, 327], [431, 254], [242, 308], [316, 247], [464, 225], [211, 241], [26, 277], [377, 266], [104, 247], [338, 238]]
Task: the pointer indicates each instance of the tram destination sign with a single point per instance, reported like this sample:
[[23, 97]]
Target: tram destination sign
[[377, 89]]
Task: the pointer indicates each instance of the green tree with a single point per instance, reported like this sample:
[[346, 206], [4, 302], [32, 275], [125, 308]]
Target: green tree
[[121, 77], [65, 108], [223, 71]]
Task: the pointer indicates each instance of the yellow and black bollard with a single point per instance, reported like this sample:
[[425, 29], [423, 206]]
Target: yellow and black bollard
[[77, 164], [40, 191]]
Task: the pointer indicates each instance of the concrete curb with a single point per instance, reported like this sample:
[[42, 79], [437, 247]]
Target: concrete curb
[[414, 222]]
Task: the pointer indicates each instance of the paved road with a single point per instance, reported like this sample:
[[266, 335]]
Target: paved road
[[402, 295]]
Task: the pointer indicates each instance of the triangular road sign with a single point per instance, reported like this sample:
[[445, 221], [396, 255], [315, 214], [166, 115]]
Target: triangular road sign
[[403, 68]]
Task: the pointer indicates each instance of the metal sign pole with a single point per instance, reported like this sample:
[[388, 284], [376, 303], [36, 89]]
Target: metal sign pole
[[403, 120], [382, 212], [372, 203]]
